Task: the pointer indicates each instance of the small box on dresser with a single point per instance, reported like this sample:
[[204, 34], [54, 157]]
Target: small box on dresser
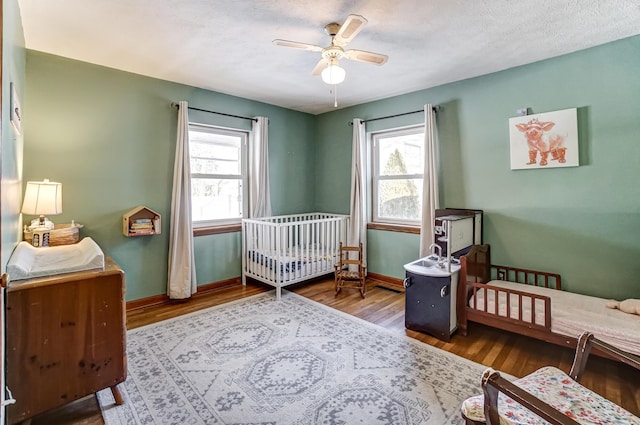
[[62, 234]]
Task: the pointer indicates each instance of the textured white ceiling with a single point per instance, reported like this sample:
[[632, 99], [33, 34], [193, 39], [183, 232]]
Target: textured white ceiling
[[225, 45]]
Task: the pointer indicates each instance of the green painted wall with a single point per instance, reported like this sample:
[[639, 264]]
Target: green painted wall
[[109, 137], [13, 68], [583, 222]]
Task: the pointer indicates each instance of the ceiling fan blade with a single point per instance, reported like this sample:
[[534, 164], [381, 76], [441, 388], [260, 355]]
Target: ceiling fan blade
[[320, 66], [363, 56], [351, 27], [297, 45]]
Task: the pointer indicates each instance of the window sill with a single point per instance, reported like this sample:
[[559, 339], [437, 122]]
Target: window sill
[[403, 228], [216, 230]]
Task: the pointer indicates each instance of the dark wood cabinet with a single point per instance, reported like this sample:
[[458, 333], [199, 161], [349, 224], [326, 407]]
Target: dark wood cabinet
[[65, 338]]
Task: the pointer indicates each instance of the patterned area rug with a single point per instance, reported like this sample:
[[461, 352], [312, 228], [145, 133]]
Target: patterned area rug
[[293, 361]]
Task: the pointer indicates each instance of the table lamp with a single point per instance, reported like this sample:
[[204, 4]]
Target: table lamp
[[42, 198]]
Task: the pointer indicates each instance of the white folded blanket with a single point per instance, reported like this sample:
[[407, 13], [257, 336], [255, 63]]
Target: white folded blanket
[[28, 261]]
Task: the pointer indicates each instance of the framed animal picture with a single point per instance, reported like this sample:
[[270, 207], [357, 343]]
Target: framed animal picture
[[544, 140]]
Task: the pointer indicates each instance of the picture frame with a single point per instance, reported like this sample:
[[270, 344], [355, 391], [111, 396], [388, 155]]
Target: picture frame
[[16, 110], [545, 140]]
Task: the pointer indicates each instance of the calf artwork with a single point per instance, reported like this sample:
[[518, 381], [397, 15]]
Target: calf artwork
[[539, 140], [544, 140]]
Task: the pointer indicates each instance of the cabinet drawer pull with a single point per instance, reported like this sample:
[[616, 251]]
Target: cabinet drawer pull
[[10, 399]]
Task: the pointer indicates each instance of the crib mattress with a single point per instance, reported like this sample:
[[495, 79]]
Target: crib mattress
[[289, 260], [27, 261], [571, 314]]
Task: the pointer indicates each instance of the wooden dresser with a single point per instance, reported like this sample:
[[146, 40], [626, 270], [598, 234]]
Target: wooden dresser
[[65, 338]]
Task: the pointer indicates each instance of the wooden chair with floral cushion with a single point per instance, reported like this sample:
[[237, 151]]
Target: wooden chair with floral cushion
[[549, 394], [350, 271]]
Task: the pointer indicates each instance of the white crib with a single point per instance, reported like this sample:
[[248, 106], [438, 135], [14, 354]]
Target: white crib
[[286, 249]]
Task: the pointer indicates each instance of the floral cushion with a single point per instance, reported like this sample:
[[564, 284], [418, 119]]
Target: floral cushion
[[557, 389]]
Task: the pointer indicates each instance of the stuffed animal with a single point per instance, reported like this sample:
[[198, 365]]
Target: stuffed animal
[[631, 306]]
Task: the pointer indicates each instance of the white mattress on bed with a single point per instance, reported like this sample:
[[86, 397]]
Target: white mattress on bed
[[27, 261], [571, 314], [291, 265]]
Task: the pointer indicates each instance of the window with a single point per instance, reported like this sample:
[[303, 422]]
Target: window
[[397, 173], [218, 175]]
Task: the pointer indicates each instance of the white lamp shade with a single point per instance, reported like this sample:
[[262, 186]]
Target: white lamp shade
[[333, 74], [42, 198]]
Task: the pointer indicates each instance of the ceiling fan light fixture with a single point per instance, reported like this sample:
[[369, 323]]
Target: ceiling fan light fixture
[[333, 74]]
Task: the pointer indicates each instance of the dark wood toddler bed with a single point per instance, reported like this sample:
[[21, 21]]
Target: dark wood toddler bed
[[487, 294]]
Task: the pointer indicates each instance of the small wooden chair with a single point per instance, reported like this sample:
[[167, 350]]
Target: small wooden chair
[[350, 272]]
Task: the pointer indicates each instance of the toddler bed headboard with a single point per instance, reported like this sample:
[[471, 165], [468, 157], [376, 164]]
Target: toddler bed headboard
[[476, 264], [477, 268]]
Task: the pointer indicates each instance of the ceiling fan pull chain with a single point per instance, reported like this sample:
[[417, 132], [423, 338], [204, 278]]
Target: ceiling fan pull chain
[[335, 95]]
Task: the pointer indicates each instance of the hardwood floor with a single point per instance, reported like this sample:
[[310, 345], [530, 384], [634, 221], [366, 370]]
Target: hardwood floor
[[514, 354]]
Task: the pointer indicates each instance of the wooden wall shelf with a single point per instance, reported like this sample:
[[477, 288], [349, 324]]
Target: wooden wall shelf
[[141, 221]]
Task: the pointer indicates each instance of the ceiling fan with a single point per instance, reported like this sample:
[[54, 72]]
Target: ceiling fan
[[341, 35]]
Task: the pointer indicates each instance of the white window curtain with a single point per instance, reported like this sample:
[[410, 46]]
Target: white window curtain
[[430, 196], [260, 196], [358, 217], [182, 271]]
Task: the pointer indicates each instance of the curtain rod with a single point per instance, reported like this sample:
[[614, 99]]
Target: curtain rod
[[435, 109], [175, 105]]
